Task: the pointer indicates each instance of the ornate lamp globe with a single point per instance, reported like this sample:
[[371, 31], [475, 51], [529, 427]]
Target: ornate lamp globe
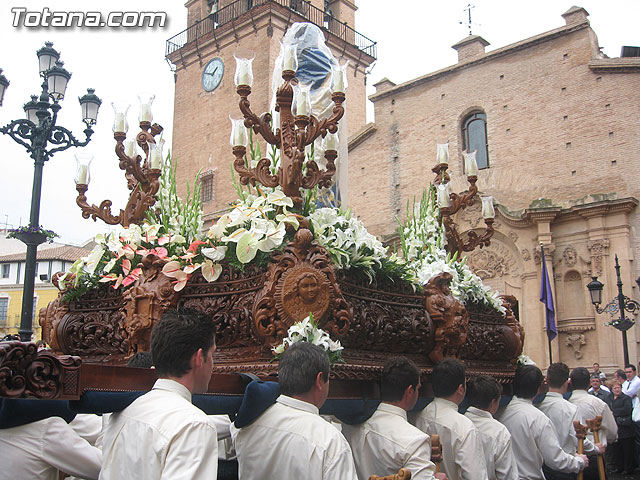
[[30, 108], [4, 83], [595, 290], [47, 57], [90, 103], [57, 79]]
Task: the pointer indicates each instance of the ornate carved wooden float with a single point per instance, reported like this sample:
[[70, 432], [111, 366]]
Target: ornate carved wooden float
[[253, 310]]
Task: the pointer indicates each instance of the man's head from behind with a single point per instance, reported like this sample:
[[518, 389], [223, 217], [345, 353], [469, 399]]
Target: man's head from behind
[[400, 382], [182, 343], [580, 378], [558, 376], [303, 372], [527, 381], [448, 380], [484, 392]]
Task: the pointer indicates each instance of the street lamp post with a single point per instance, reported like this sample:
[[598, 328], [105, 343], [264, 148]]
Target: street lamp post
[[41, 137], [620, 304]]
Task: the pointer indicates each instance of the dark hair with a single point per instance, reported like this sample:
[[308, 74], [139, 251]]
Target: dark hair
[[447, 376], [557, 374], [41, 342], [580, 378], [620, 373], [527, 381], [631, 366], [140, 360], [299, 366], [595, 376], [397, 374], [482, 390], [176, 337]]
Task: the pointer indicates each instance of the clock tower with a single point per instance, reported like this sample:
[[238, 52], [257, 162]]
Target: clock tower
[[205, 93]]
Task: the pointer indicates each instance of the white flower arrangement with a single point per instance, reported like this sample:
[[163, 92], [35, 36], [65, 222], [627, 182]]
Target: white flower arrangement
[[347, 240], [423, 243], [524, 360], [307, 331]]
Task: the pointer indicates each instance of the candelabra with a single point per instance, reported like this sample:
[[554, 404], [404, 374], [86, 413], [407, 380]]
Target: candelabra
[[142, 176], [450, 203], [620, 304], [292, 134], [41, 137]]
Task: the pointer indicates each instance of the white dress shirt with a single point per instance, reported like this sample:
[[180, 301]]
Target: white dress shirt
[[496, 444], [590, 406], [562, 414], [161, 435], [39, 449], [290, 440], [535, 441], [387, 442], [462, 454], [631, 388]]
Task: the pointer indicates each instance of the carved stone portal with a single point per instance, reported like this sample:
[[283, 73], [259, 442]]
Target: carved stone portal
[[301, 280]]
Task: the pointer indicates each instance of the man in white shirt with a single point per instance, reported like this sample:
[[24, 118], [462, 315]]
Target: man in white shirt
[[42, 448], [483, 394], [290, 439], [534, 438], [590, 406], [162, 434], [462, 454], [631, 388], [562, 414], [387, 442]]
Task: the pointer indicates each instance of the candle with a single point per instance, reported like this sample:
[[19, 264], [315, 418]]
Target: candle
[[487, 207], [339, 80], [120, 120], [145, 114], [82, 176], [239, 135], [443, 195], [330, 141], [120, 123], [83, 160], [290, 59], [303, 101], [442, 156], [130, 149], [470, 165], [155, 154], [244, 70]]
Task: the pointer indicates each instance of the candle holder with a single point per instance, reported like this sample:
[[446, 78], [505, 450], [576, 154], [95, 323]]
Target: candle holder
[[456, 242], [142, 180], [291, 136]]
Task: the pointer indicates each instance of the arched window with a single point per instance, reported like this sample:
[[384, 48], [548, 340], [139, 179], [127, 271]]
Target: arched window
[[474, 137]]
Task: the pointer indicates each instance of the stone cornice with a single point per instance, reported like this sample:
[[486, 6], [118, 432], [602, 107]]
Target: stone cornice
[[487, 57], [360, 136], [530, 216], [616, 65]]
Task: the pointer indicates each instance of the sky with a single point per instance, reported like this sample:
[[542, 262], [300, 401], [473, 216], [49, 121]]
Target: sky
[[414, 38]]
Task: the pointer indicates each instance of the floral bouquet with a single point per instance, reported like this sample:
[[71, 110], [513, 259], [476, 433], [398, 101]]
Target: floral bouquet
[[307, 331]]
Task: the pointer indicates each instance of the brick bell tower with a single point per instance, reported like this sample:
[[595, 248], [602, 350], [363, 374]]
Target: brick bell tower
[[205, 93]]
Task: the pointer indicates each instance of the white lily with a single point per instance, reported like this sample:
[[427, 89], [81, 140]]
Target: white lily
[[246, 248], [211, 271], [277, 197], [93, 258], [273, 237]]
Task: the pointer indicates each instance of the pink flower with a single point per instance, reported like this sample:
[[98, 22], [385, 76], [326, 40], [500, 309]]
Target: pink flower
[[132, 277]]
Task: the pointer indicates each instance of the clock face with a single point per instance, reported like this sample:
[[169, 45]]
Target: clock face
[[212, 74]]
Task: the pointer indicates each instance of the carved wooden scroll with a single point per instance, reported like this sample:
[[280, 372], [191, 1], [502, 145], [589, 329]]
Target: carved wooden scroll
[[27, 373]]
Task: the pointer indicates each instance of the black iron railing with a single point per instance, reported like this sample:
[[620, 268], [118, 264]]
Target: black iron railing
[[301, 7]]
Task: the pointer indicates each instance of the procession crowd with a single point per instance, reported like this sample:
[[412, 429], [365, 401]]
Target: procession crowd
[[279, 432]]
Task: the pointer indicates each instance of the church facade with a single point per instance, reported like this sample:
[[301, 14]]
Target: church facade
[[554, 123], [555, 126]]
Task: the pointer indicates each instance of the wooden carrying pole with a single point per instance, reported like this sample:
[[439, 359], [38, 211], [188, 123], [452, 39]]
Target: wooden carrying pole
[[594, 426], [581, 432], [436, 451]]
